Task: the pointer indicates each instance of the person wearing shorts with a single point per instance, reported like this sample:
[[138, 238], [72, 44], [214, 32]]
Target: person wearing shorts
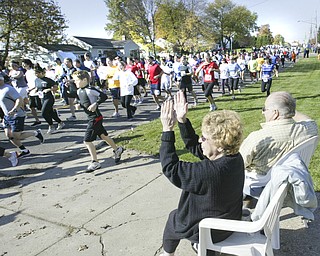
[[186, 82], [140, 75], [12, 105], [19, 82], [113, 85], [166, 79], [154, 74], [34, 100], [208, 67], [90, 98]]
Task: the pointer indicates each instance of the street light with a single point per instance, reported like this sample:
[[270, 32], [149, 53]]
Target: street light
[[316, 26]]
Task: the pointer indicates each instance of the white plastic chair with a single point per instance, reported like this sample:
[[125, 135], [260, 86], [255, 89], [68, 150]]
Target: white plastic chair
[[304, 149], [247, 238]]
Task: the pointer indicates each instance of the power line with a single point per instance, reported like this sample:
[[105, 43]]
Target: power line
[[258, 4]]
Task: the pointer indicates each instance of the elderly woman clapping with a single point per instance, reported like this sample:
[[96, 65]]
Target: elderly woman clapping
[[211, 187]]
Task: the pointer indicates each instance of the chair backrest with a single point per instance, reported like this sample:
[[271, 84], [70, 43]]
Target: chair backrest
[[272, 212], [304, 149]]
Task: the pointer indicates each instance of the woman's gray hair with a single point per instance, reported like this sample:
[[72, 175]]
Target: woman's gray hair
[[284, 103]]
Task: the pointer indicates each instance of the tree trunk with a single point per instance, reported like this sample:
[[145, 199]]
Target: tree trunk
[[6, 49]]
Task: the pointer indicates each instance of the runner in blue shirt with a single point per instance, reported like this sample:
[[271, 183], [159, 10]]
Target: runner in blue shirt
[[266, 74]]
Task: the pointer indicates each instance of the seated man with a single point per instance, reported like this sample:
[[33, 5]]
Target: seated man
[[284, 129]]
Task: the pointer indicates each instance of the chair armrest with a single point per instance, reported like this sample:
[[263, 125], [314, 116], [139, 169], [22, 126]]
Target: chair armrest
[[231, 225]]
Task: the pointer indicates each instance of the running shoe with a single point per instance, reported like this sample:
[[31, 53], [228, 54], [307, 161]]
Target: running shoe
[[60, 126], [39, 136], [24, 153], [115, 114], [51, 130], [117, 154], [93, 166], [13, 158], [71, 118]]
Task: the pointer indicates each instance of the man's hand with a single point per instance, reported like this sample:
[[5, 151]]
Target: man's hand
[[181, 107], [12, 112], [168, 116], [93, 107]]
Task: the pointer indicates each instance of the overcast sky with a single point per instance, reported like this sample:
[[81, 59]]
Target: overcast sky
[[88, 18]]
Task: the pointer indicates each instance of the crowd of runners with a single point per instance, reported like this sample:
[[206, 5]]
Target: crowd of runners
[[27, 88]]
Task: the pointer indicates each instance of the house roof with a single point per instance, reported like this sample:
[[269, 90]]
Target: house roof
[[63, 47], [100, 42], [119, 43]]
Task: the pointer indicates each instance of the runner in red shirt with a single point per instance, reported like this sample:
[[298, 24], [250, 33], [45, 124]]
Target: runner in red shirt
[[134, 69], [154, 74], [208, 67], [140, 75]]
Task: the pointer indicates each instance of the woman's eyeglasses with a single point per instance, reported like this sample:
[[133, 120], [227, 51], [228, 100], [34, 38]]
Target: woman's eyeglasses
[[203, 139]]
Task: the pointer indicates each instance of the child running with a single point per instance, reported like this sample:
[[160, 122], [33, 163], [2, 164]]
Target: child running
[[90, 98]]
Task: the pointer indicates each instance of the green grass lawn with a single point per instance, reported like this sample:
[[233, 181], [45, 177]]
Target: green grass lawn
[[302, 81]]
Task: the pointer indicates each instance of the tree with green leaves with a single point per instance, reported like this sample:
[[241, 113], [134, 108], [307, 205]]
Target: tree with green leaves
[[134, 19], [264, 36], [28, 24], [226, 22], [278, 39], [178, 24]]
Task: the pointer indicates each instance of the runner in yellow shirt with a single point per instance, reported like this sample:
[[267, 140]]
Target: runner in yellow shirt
[[113, 85]]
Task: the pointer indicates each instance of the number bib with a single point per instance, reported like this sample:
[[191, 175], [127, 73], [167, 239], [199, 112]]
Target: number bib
[[208, 77], [265, 78], [40, 94]]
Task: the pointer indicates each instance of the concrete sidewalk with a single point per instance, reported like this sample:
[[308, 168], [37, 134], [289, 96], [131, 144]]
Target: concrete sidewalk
[[117, 210]]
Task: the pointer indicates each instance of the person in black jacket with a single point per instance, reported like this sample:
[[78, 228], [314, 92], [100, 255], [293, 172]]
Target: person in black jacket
[[211, 187]]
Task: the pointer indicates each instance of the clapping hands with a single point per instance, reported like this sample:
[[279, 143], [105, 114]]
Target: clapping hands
[[171, 112]]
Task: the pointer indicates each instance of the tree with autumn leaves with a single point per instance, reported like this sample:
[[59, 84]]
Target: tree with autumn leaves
[[186, 24]]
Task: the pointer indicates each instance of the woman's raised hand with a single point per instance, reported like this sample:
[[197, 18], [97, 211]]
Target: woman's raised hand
[[181, 107]]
